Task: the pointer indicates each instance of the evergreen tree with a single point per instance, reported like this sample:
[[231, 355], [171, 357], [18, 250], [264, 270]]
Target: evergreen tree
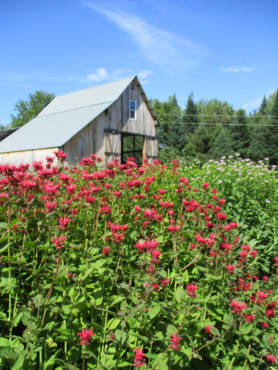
[[240, 138], [222, 143], [273, 133], [263, 106], [190, 118]]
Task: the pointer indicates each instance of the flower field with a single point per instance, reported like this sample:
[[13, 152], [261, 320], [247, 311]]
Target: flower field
[[158, 267]]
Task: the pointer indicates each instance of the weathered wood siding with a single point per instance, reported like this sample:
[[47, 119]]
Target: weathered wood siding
[[83, 144], [102, 136], [28, 156], [119, 120]]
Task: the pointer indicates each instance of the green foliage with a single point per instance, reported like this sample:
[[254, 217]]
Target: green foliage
[[209, 129], [139, 260], [30, 108]]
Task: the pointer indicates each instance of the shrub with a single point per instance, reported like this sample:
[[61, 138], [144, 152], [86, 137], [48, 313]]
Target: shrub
[[128, 267]]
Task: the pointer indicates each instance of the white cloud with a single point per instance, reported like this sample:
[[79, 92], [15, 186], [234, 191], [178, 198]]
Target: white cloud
[[144, 74], [99, 75], [255, 104], [159, 46], [238, 69]]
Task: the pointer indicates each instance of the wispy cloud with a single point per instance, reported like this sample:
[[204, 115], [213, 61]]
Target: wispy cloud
[[102, 75], [255, 104], [159, 46], [99, 75], [237, 69]]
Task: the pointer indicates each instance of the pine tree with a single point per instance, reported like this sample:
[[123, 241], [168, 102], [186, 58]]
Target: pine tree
[[240, 138], [273, 133], [222, 144], [190, 118]]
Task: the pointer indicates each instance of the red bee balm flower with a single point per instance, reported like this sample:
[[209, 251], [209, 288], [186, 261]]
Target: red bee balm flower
[[85, 336], [271, 358], [139, 359], [191, 290], [175, 340]]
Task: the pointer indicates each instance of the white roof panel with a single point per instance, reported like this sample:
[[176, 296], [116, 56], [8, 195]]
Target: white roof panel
[[64, 117]]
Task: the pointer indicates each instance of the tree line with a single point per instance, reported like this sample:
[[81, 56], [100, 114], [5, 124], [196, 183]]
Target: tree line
[[210, 129]]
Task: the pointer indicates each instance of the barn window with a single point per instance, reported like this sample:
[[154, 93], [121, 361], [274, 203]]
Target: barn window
[[132, 146], [132, 109]]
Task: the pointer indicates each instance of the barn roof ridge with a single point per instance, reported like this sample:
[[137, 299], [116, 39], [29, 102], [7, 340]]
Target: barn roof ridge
[[72, 109]]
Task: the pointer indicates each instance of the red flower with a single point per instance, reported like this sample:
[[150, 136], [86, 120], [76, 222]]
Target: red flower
[[265, 324], [249, 318], [155, 286], [207, 329], [271, 358], [175, 342], [165, 282], [105, 250], [276, 261], [191, 290], [139, 359], [85, 336], [237, 307], [270, 313], [230, 268], [59, 241]]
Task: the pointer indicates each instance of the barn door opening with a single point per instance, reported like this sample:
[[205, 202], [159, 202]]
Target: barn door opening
[[132, 146]]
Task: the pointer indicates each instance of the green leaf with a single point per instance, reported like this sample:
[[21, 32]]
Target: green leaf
[[113, 323], [188, 353], [8, 353], [153, 311], [246, 329], [180, 294], [124, 364], [214, 331], [19, 362], [171, 329]]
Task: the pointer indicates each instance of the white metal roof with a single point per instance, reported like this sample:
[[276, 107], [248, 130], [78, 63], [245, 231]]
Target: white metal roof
[[64, 117]]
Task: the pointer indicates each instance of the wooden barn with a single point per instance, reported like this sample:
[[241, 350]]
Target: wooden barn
[[113, 120]]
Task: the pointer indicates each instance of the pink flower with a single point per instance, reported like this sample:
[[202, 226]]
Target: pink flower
[[191, 290], [175, 342], [105, 250], [207, 329], [139, 359], [64, 222], [230, 268], [237, 307], [249, 318], [165, 282], [85, 336], [271, 358], [59, 241], [254, 253]]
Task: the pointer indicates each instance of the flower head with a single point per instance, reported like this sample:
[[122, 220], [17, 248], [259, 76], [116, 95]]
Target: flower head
[[139, 359], [191, 290], [85, 336], [175, 340]]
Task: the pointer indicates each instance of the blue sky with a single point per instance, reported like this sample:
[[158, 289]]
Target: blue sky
[[215, 48]]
